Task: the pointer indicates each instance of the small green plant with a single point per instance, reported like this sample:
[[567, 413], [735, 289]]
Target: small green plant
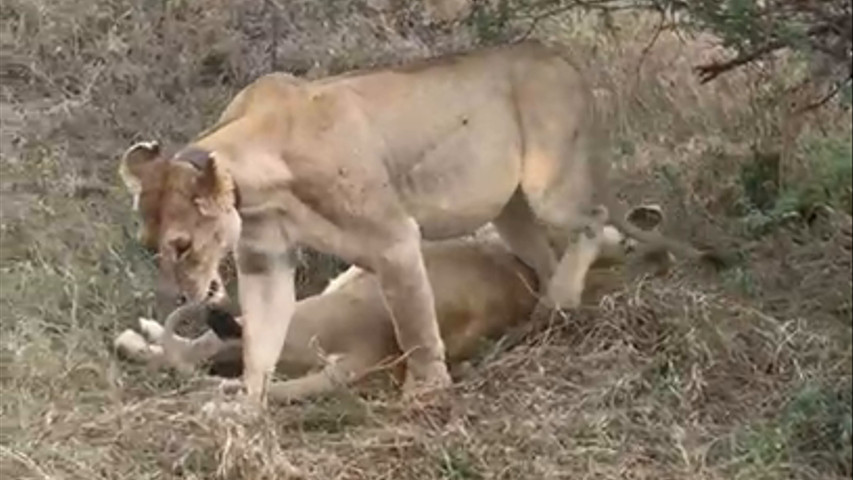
[[827, 178], [814, 427], [625, 148], [668, 177], [741, 280], [759, 177], [333, 413], [847, 95], [455, 464], [490, 22], [831, 161]]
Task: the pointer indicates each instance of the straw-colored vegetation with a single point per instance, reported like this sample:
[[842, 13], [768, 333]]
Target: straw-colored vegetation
[[741, 374]]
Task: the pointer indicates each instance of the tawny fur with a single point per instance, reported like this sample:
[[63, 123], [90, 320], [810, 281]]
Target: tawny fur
[[366, 164]]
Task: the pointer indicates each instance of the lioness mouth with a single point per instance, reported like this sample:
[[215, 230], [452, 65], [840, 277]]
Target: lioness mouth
[[212, 291]]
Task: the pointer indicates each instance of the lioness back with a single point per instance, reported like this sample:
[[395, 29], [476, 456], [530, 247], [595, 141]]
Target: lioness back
[[452, 125], [443, 127]]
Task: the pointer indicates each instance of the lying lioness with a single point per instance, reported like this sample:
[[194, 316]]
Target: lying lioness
[[341, 334], [337, 337]]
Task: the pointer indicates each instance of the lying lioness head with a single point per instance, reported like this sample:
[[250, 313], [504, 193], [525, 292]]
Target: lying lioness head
[[189, 220]]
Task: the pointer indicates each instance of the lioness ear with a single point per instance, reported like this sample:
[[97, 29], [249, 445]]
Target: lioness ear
[[646, 217], [133, 163], [215, 186]]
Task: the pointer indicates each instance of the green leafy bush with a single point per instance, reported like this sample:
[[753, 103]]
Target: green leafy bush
[[827, 176]]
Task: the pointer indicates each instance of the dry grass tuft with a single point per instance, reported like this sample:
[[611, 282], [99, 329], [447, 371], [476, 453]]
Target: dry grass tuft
[[745, 374]]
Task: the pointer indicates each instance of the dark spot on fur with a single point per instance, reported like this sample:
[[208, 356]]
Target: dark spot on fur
[[253, 262]]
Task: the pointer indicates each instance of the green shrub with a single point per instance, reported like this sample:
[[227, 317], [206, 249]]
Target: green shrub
[[814, 428], [827, 174]]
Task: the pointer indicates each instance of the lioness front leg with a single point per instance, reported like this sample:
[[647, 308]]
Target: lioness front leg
[[405, 286], [526, 238], [385, 241], [397, 261], [267, 298]]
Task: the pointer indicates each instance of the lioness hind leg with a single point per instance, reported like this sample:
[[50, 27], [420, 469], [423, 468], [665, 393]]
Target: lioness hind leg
[[335, 375], [559, 167], [584, 244], [582, 237]]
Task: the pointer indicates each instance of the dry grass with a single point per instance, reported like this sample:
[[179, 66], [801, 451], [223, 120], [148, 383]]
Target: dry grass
[[742, 375]]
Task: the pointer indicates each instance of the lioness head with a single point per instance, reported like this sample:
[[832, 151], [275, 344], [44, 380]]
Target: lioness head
[[189, 218]]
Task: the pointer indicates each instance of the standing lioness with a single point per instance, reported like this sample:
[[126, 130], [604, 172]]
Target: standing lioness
[[362, 166]]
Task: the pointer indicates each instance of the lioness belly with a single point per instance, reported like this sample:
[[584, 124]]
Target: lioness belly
[[466, 177]]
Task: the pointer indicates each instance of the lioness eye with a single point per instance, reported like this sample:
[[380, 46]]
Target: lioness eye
[[182, 246]]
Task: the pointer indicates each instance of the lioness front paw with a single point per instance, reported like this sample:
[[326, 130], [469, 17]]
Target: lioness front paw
[[131, 345], [429, 399], [151, 329], [232, 386], [423, 381], [237, 409]]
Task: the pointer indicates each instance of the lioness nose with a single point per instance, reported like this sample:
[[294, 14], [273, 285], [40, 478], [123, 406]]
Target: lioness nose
[[213, 288]]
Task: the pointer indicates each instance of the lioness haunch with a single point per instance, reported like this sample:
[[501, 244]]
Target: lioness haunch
[[481, 291]]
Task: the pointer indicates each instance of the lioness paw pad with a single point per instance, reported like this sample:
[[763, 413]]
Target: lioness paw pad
[[130, 344], [152, 329]]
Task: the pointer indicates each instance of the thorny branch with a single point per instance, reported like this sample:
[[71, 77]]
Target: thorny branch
[[827, 97], [710, 71], [828, 27]]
